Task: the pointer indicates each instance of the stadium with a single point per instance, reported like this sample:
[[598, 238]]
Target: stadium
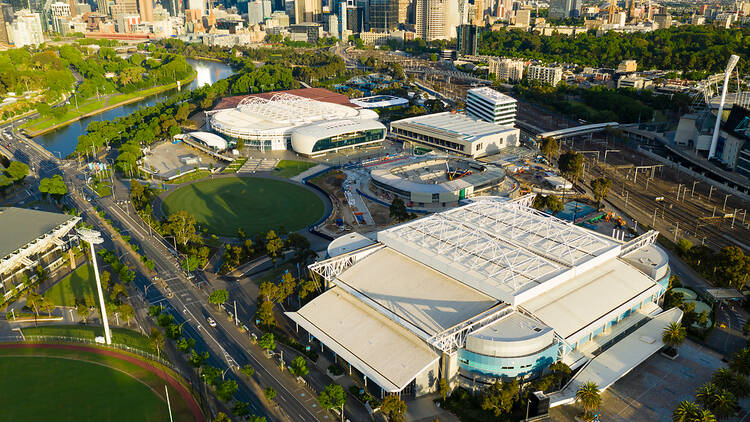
[[311, 121], [436, 181], [492, 290]]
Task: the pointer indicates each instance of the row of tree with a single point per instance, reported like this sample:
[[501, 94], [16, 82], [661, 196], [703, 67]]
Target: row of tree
[[729, 267]]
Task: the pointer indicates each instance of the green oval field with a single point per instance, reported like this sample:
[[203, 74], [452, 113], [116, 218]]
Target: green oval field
[[256, 205], [39, 388]]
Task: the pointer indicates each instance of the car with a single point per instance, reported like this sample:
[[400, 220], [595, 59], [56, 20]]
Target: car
[[211, 322]]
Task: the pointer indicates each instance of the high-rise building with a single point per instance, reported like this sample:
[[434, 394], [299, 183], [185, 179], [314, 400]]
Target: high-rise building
[[430, 19], [59, 9], [491, 106], [197, 5], [561, 9], [523, 17], [403, 10], [342, 18], [307, 11], [478, 12], [124, 7], [254, 12], [102, 6], [146, 10], [467, 37], [663, 20], [6, 18], [333, 26], [383, 15], [544, 74], [507, 69], [72, 5], [27, 29], [355, 19]]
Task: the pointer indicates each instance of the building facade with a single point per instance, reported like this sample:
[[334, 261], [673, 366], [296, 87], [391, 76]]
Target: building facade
[[507, 69], [491, 106], [467, 38], [27, 29], [544, 74], [383, 15]]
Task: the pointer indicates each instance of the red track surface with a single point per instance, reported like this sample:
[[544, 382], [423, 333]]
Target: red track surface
[[184, 393]]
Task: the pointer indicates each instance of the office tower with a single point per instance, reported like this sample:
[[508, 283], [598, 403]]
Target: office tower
[[146, 10], [355, 19], [333, 26], [383, 15], [102, 6], [560, 9], [491, 106], [197, 5], [72, 5], [436, 19], [403, 9], [307, 11], [6, 18], [255, 12], [27, 29], [467, 39], [523, 17], [478, 12], [342, 17]]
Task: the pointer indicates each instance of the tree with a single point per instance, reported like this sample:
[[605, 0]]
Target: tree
[[443, 387], [83, 311], [256, 418], [732, 267], [550, 202], [226, 390], [274, 245], [499, 397], [218, 297], [267, 342], [740, 362], [265, 313], [240, 144], [549, 147], [333, 396], [706, 394], [185, 344], [269, 393], [248, 370], [724, 404], [686, 411], [241, 408], [182, 226], [673, 335], [211, 374], [600, 187], [54, 186], [126, 312], [571, 165], [197, 359], [398, 210], [299, 367], [118, 290], [588, 396], [17, 170], [725, 379], [157, 340], [34, 301], [394, 408], [684, 246], [47, 305], [222, 417]]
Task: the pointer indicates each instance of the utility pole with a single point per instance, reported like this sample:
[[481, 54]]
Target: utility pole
[[236, 318], [725, 202], [169, 406], [93, 237], [734, 214], [627, 195], [676, 229], [653, 222], [693, 191], [679, 187], [710, 191]]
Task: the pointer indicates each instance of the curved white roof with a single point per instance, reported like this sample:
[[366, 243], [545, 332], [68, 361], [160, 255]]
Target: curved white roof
[[305, 137], [378, 101], [256, 117], [210, 139]]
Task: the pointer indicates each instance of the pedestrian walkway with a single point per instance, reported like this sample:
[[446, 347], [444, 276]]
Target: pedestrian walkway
[[253, 165], [309, 172]]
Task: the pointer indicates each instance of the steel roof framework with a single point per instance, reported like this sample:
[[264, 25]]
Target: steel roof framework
[[283, 107]]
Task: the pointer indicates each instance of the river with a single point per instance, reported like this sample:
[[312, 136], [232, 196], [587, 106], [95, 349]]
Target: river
[[63, 141]]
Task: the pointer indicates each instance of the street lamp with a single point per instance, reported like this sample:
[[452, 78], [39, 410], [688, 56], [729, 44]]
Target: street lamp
[[94, 237]]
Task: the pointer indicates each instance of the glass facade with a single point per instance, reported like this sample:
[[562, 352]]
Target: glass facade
[[383, 15], [520, 366], [348, 139]]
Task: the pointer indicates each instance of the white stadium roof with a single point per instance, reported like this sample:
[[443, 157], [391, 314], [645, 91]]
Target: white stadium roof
[[455, 125], [365, 338], [211, 139], [305, 137], [255, 116]]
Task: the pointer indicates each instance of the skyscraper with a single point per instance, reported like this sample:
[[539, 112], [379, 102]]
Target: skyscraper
[[307, 11], [436, 19], [6, 17], [383, 15], [467, 39], [146, 10], [560, 9]]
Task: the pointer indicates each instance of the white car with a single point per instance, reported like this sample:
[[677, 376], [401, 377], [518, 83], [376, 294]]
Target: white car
[[211, 322]]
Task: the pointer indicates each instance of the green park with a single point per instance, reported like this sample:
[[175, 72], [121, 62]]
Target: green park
[[255, 205]]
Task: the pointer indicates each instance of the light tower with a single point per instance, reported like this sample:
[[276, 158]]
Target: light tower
[[715, 139], [94, 237]]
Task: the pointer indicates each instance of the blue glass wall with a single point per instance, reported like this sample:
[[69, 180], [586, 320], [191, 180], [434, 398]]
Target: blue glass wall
[[507, 367]]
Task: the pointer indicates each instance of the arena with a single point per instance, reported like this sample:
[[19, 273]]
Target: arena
[[491, 290], [269, 121], [436, 181]]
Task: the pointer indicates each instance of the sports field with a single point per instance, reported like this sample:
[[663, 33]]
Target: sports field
[[256, 205], [41, 384]]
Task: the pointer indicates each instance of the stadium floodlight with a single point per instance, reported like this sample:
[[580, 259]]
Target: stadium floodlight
[[727, 73], [93, 237]]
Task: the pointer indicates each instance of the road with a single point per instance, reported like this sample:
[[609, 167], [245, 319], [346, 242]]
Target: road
[[229, 348]]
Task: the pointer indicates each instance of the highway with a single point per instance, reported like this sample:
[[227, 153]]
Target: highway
[[229, 348]]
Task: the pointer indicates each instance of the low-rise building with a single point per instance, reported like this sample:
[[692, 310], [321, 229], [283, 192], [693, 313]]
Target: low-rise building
[[545, 74], [507, 69], [491, 106]]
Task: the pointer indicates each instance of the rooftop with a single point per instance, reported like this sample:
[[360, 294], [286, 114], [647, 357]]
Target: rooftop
[[318, 94], [365, 338], [491, 95], [210, 139], [21, 226], [453, 124], [429, 175]]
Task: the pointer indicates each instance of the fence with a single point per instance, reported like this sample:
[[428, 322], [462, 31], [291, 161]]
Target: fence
[[64, 339]]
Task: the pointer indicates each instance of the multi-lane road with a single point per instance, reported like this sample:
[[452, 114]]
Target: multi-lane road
[[229, 348]]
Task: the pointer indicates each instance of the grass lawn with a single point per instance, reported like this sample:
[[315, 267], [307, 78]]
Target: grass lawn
[[119, 335], [74, 287], [255, 204], [66, 385], [189, 177], [291, 168], [235, 165]]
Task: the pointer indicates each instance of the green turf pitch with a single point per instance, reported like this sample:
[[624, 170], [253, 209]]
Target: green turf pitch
[[60, 390], [254, 204]]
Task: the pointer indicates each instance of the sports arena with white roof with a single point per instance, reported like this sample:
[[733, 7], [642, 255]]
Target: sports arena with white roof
[[490, 290], [308, 121]]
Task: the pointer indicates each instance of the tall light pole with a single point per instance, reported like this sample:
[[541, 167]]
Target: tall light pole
[[733, 59], [94, 237]]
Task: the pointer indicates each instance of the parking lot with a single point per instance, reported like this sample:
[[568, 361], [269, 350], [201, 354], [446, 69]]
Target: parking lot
[[653, 389]]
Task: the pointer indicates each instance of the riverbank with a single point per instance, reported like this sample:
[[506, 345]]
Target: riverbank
[[48, 125]]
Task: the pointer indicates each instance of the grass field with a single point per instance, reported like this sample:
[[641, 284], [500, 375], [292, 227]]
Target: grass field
[[119, 335], [74, 287], [254, 204], [189, 177], [291, 168], [69, 385]]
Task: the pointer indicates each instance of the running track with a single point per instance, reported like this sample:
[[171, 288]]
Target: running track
[[184, 393]]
